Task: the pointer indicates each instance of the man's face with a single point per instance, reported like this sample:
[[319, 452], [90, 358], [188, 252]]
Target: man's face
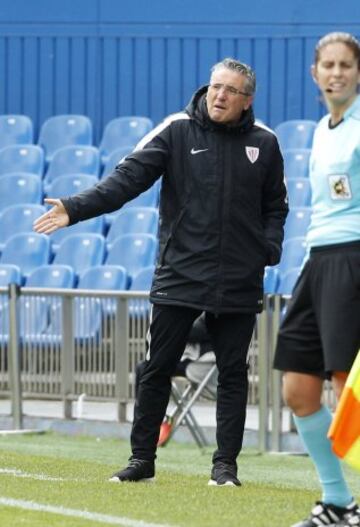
[[224, 102]]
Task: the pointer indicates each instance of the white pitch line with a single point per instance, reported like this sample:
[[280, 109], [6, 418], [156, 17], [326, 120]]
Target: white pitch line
[[76, 513], [20, 474]]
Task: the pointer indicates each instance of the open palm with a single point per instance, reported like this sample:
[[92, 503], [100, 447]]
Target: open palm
[[54, 219]]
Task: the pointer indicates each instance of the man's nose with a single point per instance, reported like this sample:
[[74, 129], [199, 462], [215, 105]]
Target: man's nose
[[222, 93]]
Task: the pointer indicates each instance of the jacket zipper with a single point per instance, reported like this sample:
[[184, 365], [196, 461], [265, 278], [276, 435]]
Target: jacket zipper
[[219, 291]]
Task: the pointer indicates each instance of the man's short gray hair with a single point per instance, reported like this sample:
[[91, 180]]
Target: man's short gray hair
[[239, 67]]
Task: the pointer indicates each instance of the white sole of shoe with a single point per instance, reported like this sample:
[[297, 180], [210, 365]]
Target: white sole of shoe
[[144, 480], [213, 483]]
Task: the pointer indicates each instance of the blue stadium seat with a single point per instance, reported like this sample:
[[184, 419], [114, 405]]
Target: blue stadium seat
[[27, 251], [51, 276], [64, 130], [15, 129], [297, 133], [73, 159], [88, 319], [299, 192], [93, 225], [80, 251], [70, 184], [141, 282], [16, 219], [123, 131], [297, 222], [293, 254], [296, 162], [133, 251], [149, 198], [115, 157], [134, 220], [271, 279], [65, 186], [35, 309], [87, 316], [105, 277], [112, 277], [143, 279], [9, 274], [288, 280], [22, 158], [19, 188], [34, 316]]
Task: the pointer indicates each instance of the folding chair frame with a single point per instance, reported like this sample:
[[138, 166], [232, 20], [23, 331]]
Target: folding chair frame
[[182, 413]]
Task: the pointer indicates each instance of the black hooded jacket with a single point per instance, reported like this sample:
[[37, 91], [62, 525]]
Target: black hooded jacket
[[222, 207]]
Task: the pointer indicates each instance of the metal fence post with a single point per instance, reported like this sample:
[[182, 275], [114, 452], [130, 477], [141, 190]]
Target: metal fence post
[[276, 428], [14, 357], [122, 356], [67, 354], [263, 378]]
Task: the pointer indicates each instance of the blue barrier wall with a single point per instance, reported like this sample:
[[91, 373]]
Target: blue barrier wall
[[106, 58]]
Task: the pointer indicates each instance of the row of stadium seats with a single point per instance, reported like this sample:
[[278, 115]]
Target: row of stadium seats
[[133, 252], [72, 129], [18, 219], [65, 130], [62, 130], [72, 159], [14, 189], [27, 188], [80, 251], [133, 219], [62, 276], [295, 139], [41, 317]]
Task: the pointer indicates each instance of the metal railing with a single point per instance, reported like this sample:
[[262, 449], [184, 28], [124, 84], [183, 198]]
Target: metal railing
[[61, 343]]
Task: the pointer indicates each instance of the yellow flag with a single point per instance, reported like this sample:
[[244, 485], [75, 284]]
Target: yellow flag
[[345, 428]]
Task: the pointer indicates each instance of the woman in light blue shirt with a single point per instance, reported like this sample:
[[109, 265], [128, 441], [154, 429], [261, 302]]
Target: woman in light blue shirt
[[320, 334]]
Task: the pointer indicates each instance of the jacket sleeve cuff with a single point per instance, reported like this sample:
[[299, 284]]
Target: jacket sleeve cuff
[[273, 254]]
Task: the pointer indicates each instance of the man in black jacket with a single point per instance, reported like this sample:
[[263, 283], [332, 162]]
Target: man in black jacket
[[222, 210]]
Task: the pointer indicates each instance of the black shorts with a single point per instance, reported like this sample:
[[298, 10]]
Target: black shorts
[[320, 332]]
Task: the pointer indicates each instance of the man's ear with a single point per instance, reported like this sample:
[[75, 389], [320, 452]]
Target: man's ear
[[249, 102], [314, 73]]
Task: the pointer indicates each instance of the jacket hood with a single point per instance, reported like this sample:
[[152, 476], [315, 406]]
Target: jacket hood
[[197, 109]]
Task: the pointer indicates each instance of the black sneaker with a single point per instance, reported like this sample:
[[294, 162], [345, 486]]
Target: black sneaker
[[224, 474], [330, 515], [352, 517], [137, 470]]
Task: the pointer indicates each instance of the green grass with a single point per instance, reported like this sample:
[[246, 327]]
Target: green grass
[[276, 491]]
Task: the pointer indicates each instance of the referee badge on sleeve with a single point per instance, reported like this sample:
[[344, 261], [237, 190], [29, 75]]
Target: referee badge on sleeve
[[340, 188]]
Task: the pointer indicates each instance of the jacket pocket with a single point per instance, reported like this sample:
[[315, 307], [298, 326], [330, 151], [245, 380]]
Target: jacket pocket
[[171, 235]]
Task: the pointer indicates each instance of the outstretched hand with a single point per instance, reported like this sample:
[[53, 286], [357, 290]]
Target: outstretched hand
[[54, 219]]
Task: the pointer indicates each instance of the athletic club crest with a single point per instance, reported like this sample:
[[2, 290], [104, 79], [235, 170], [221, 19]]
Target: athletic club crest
[[252, 153]]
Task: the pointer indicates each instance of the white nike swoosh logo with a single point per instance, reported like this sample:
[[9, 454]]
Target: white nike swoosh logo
[[193, 151]]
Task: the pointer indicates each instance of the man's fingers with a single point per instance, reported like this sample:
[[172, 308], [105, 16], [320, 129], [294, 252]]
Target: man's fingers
[[52, 201], [47, 222]]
